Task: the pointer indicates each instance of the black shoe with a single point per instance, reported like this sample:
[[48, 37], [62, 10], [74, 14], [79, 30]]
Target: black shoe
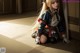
[[34, 34]]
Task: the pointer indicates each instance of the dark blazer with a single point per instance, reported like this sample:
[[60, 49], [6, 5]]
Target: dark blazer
[[46, 18]]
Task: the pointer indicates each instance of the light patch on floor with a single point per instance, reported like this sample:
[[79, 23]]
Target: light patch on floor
[[13, 30], [19, 30]]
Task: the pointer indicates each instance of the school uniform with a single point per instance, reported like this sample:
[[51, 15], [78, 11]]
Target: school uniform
[[52, 21], [47, 18]]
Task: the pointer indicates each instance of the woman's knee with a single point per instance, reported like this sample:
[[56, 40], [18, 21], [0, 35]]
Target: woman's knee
[[43, 39]]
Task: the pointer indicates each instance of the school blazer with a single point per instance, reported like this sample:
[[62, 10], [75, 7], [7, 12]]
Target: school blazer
[[46, 18]]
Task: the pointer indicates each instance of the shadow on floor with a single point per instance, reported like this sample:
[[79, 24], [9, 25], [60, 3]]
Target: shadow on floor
[[73, 46], [17, 16], [13, 46]]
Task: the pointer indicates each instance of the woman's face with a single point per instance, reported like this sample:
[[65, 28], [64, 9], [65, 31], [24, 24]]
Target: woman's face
[[54, 5]]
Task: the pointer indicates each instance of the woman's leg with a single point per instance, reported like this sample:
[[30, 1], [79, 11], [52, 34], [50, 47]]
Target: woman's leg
[[43, 39]]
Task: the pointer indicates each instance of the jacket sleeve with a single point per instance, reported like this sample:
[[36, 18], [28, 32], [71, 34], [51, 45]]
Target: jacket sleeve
[[44, 19]]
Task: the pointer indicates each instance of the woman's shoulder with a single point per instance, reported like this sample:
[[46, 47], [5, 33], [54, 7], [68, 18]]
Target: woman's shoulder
[[46, 13]]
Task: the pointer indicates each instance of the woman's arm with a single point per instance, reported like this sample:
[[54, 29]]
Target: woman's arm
[[43, 22]]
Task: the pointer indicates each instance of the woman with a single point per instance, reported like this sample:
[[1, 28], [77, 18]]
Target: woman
[[48, 21]]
